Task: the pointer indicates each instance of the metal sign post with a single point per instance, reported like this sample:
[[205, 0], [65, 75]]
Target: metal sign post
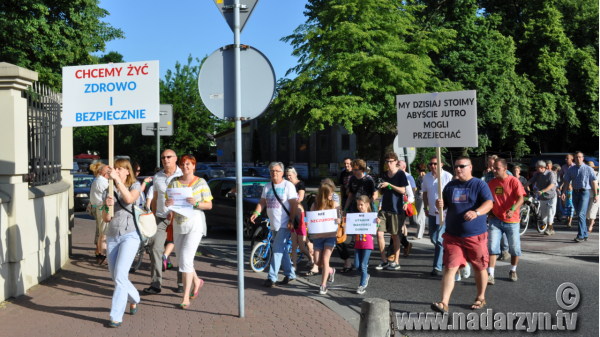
[[162, 128]]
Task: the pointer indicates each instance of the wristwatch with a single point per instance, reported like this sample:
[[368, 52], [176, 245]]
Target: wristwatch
[[477, 212]]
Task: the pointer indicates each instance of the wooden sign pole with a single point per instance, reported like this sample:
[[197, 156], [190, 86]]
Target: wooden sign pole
[[438, 153], [111, 163]]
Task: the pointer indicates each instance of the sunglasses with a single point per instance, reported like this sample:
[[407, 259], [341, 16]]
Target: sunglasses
[[461, 166], [390, 161], [431, 164], [166, 157]]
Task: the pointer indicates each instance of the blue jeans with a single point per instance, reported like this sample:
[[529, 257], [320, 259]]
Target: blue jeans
[[120, 251], [361, 262], [559, 207], [504, 243], [498, 230], [435, 234], [580, 202], [279, 244]]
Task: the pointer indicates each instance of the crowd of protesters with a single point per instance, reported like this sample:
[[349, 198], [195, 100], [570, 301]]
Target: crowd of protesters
[[471, 224]]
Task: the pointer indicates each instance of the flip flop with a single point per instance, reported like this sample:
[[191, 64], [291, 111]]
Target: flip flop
[[192, 297], [346, 270], [311, 273], [184, 306], [436, 307]]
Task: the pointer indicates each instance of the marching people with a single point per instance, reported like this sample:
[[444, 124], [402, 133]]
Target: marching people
[[430, 195], [342, 248], [137, 169], [508, 194], [280, 199], [545, 181], [99, 185], [411, 190], [517, 174], [122, 239], [467, 201], [363, 247], [585, 189], [188, 232], [323, 243], [592, 211], [567, 165], [157, 258], [299, 235], [568, 202], [344, 179], [419, 204]]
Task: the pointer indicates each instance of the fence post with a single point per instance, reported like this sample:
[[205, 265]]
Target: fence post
[[13, 165]]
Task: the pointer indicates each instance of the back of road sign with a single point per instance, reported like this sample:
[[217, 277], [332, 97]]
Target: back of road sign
[[226, 9], [216, 82], [409, 156], [166, 122]]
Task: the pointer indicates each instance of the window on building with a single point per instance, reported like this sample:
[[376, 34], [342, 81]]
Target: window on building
[[345, 142]]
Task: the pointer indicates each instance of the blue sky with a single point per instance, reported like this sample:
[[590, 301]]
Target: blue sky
[[170, 31]]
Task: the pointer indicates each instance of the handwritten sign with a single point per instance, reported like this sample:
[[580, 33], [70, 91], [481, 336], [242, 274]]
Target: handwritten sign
[[181, 206], [361, 223], [321, 221]]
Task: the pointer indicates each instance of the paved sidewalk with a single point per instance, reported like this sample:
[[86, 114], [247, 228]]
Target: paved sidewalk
[[76, 302]]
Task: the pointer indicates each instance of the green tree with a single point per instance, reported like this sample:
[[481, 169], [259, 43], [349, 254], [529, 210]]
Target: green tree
[[112, 56], [355, 56], [46, 35]]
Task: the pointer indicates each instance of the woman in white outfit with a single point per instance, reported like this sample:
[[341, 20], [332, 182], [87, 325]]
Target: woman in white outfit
[[187, 232]]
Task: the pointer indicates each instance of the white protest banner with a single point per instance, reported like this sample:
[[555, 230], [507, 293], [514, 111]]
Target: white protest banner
[[111, 94], [181, 206], [361, 223], [321, 221], [443, 119]]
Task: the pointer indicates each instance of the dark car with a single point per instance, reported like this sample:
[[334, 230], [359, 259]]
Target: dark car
[[209, 171], [256, 172], [81, 189], [224, 195]]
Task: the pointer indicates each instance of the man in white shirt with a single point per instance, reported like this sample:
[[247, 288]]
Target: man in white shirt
[[281, 225], [161, 181], [430, 195], [98, 187]]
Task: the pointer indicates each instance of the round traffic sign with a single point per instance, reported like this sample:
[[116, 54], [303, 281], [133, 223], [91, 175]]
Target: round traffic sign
[[216, 82], [411, 152]]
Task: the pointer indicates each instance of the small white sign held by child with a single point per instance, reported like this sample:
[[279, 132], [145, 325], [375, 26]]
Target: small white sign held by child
[[361, 223], [321, 221]]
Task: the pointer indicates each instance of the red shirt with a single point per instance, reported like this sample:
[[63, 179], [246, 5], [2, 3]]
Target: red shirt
[[506, 192]]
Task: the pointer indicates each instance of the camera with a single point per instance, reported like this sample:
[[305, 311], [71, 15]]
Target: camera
[[379, 182]]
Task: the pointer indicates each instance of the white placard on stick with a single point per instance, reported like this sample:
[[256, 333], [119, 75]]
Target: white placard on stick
[[321, 221], [111, 94], [361, 223], [442, 119]]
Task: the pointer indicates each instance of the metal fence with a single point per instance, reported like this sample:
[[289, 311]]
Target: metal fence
[[43, 134]]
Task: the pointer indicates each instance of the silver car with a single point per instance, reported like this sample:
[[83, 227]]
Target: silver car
[[210, 171]]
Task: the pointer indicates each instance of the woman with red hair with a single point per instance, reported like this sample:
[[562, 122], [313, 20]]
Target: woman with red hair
[[187, 232]]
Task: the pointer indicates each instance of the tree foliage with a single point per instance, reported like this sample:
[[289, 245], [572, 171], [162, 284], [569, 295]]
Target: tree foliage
[[46, 35]]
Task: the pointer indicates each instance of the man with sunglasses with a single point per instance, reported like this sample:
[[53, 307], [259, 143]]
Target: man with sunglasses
[[161, 211], [430, 195], [467, 201]]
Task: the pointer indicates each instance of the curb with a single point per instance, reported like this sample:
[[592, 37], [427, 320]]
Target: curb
[[338, 304]]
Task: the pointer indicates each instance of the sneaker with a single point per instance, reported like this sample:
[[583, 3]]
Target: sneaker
[[466, 271], [164, 264], [361, 290], [491, 280], [435, 272], [505, 256], [548, 232], [382, 265], [578, 239], [323, 290], [457, 277], [367, 282], [286, 280], [169, 265], [269, 284], [332, 275], [512, 275], [584, 239], [152, 290], [407, 249], [393, 266]]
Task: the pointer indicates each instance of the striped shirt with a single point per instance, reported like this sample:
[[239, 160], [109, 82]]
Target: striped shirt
[[580, 176]]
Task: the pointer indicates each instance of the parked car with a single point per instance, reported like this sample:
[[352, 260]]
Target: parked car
[[75, 168], [256, 172], [230, 172], [210, 171], [81, 190], [224, 195]]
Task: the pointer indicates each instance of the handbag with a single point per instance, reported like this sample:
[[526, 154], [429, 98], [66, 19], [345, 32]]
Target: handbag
[[341, 233], [143, 219], [410, 209], [296, 224], [91, 210]]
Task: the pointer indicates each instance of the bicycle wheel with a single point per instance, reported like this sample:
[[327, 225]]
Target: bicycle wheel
[[524, 216], [139, 256], [260, 234], [260, 257], [540, 225]]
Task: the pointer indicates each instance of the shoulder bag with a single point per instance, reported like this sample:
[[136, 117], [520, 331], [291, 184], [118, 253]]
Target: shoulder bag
[[341, 233], [143, 219], [296, 224]]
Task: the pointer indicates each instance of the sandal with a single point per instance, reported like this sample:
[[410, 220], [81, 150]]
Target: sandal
[[101, 259], [184, 306], [311, 273], [481, 305], [346, 270], [195, 295], [436, 307]]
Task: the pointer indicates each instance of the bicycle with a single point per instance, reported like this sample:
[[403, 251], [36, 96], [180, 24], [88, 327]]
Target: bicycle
[[531, 208], [139, 256], [262, 252]]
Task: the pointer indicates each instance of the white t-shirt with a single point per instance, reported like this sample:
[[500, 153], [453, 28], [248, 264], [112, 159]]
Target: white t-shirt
[[286, 191], [150, 193], [161, 181], [430, 185], [98, 187], [409, 192]]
